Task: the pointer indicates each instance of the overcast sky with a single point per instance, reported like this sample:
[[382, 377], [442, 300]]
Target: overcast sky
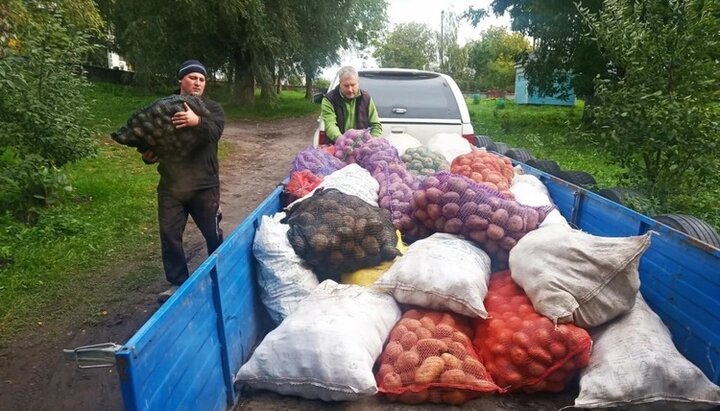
[[426, 12]]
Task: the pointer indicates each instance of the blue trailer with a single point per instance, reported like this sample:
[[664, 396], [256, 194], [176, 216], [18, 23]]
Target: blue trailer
[[186, 355]]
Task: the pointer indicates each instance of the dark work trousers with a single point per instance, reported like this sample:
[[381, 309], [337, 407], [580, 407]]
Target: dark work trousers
[[173, 210]]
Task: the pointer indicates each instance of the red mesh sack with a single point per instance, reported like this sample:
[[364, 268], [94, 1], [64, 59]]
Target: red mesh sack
[[522, 349], [485, 168], [454, 204], [301, 183], [429, 357]]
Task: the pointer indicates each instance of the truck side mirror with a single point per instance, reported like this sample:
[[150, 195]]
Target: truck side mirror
[[317, 97]]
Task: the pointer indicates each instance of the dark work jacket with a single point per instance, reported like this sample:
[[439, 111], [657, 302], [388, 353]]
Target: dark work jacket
[[361, 108], [199, 169]]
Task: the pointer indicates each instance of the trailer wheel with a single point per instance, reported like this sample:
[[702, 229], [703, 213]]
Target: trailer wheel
[[692, 226], [485, 141], [548, 166], [501, 148], [580, 178], [520, 154]]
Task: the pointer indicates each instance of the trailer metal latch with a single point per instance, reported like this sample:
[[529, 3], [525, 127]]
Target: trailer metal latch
[[93, 356]]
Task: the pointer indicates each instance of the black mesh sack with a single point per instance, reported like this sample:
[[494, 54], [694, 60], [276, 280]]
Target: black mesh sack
[[337, 233], [151, 128]]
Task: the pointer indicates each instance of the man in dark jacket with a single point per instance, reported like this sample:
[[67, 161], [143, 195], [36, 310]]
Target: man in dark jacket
[[189, 185], [348, 107]]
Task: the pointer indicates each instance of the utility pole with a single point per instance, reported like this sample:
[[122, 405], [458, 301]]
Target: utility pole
[[442, 22]]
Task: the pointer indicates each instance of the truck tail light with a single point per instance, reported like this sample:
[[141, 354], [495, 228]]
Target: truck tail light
[[471, 139], [322, 139]]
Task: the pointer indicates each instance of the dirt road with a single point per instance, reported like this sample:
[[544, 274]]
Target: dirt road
[[33, 374]]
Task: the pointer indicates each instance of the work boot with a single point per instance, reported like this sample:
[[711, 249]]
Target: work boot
[[163, 296]]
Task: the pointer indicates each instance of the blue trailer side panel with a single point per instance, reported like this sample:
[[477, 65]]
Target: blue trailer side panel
[[185, 356], [680, 276]]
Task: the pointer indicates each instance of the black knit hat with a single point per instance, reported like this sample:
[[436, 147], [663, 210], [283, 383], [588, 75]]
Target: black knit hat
[[191, 66]]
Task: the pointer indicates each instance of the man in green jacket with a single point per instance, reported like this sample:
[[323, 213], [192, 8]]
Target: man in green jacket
[[348, 107]]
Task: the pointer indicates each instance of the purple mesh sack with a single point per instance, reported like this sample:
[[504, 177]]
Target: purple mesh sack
[[346, 144], [451, 203], [396, 195], [376, 152], [316, 161]]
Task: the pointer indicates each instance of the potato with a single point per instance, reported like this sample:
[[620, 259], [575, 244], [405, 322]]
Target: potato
[[451, 361], [450, 210], [384, 369], [392, 351], [427, 322], [442, 331], [515, 223], [495, 232], [473, 367], [479, 236], [457, 349], [423, 333], [440, 223], [413, 314], [408, 340], [500, 217], [397, 332], [434, 211], [507, 243], [475, 222], [408, 360], [431, 346], [410, 323], [429, 370], [454, 376], [453, 226], [461, 338], [449, 197], [433, 195], [392, 381]]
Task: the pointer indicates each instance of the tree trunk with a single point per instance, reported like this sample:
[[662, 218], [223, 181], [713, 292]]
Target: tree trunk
[[308, 86], [591, 101], [243, 79]]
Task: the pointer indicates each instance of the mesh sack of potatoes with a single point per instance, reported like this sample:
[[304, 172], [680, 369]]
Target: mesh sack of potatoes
[[337, 233], [151, 128], [421, 162]]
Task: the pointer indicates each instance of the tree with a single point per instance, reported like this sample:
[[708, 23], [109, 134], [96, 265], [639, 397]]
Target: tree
[[409, 45], [562, 52], [494, 56], [326, 28], [42, 110], [658, 112]]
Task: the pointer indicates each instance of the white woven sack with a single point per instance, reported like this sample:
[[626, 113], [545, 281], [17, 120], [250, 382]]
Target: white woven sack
[[530, 191], [635, 366], [403, 141], [450, 145], [352, 180], [326, 349], [572, 276], [283, 277], [441, 272]]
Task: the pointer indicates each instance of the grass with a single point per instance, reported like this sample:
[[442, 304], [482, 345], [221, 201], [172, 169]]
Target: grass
[[86, 253], [552, 133]]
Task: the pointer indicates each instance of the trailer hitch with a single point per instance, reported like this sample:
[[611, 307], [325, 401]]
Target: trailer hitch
[[93, 356]]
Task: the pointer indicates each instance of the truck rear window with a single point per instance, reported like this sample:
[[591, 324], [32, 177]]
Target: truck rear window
[[421, 96]]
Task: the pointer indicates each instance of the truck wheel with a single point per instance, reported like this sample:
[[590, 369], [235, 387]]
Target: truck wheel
[[520, 154], [501, 148], [548, 166], [621, 195], [692, 226], [485, 141], [580, 178]]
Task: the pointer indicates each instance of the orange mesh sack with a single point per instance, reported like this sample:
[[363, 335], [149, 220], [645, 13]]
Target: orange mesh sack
[[301, 183], [522, 349], [429, 357], [486, 169]]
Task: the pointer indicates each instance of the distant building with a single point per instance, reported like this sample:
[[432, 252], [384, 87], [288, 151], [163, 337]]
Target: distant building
[[523, 96], [116, 62]]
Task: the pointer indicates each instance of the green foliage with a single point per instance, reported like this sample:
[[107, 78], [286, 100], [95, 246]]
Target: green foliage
[[409, 45], [42, 110], [562, 52], [494, 56], [551, 133], [657, 115]]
